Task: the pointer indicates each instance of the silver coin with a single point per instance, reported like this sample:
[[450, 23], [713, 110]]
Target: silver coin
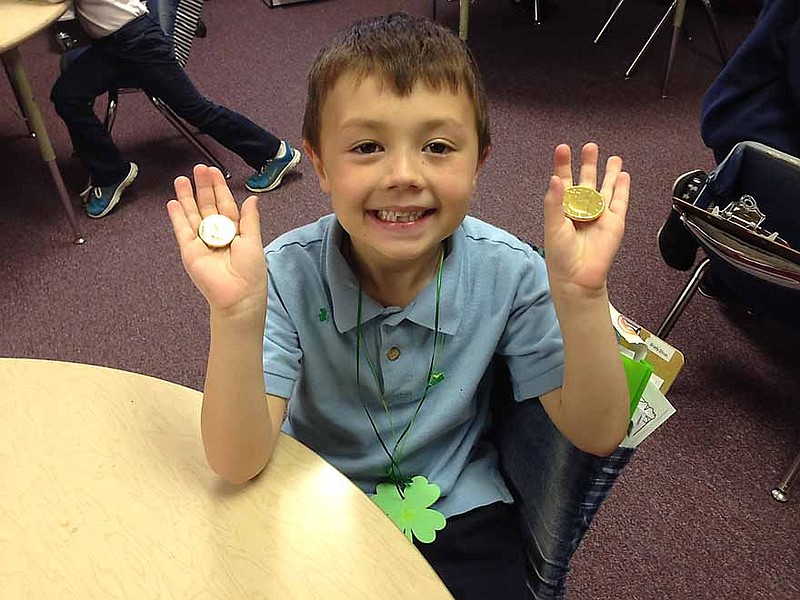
[[217, 231]]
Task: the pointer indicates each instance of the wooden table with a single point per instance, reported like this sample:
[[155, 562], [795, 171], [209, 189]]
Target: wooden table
[[105, 493], [20, 20]]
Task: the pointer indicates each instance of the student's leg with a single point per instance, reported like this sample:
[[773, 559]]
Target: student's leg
[[148, 57], [74, 93], [479, 555]]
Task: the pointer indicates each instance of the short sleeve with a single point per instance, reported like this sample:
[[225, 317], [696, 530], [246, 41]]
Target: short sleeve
[[282, 353], [531, 341]]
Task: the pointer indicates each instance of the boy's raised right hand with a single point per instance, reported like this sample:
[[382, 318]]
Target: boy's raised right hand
[[232, 279]]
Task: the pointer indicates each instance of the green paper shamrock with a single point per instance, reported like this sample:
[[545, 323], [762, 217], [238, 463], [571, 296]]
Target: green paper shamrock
[[411, 514]]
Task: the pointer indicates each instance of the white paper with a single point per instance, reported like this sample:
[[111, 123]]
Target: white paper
[[653, 409]]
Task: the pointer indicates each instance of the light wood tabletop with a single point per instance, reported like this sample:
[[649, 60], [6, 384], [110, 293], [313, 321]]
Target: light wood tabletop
[[22, 19], [106, 494]]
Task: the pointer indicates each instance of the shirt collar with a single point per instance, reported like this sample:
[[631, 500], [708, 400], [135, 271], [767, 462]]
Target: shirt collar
[[343, 285]]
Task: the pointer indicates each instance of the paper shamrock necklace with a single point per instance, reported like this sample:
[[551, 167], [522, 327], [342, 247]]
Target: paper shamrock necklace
[[405, 500]]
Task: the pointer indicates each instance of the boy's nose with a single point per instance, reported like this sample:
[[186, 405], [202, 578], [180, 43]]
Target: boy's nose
[[405, 170]]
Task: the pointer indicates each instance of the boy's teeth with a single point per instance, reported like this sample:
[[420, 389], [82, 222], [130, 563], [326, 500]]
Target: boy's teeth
[[395, 216]]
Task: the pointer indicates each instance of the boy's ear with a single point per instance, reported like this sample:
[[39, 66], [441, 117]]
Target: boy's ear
[[316, 160], [481, 162]]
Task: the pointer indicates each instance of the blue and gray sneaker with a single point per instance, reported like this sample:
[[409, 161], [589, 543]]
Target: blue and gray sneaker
[[271, 173], [100, 200]]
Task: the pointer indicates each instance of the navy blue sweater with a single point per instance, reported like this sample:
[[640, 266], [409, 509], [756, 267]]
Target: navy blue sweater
[[757, 94]]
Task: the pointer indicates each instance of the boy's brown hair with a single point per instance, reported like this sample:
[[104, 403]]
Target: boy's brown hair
[[402, 50]]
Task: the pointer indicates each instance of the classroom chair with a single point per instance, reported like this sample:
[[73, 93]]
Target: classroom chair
[[178, 19], [557, 488], [745, 218]]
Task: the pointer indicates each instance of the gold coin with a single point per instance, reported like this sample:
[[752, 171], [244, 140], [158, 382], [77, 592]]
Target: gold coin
[[217, 231], [583, 203]]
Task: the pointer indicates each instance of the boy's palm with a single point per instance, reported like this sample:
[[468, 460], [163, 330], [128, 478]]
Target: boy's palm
[[579, 255], [231, 277]]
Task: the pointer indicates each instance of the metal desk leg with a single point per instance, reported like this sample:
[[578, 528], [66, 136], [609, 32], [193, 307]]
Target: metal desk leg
[[14, 89], [611, 16], [13, 62], [781, 491], [650, 39], [463, 19]]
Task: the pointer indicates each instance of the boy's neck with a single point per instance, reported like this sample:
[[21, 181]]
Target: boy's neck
[[393, 285]]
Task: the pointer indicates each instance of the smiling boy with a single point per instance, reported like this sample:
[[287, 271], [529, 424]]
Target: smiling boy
[[383, 319]]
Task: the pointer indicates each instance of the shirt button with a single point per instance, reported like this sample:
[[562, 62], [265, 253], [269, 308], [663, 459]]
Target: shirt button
[[393, 353]]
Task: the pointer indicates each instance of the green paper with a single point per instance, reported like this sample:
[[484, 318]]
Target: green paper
[[411, 513], [638, 374]]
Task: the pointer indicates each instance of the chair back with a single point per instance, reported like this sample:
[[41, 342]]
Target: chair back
[[178, 19], [557, 488], [747, 219]]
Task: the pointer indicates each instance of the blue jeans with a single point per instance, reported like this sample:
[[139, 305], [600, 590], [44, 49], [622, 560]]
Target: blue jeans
[[140, 55], [557, 488]]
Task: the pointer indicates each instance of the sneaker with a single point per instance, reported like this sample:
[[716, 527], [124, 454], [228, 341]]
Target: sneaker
[[677, 246], [101, 200], [271, 173]]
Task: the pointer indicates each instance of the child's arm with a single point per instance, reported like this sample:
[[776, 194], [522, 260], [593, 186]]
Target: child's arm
[[591, 407], [239, 423]]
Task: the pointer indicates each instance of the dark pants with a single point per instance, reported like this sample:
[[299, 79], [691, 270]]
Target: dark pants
[[140, 55], [480, 555]]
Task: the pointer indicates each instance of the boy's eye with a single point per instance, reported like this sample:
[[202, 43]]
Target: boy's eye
[[438, 148], [367, 148]]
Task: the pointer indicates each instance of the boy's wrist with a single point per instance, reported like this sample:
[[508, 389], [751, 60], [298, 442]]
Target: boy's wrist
[[242, 319], [571, 297]]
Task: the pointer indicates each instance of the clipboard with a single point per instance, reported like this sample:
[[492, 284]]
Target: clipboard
[[666, 360]]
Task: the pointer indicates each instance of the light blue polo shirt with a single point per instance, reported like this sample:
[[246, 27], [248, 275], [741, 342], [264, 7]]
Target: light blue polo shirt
[[494, 300]]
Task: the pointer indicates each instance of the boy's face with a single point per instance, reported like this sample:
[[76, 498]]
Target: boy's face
[[400, 170]]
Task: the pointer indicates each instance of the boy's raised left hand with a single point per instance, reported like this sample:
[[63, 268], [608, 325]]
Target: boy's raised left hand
[[579, 254]]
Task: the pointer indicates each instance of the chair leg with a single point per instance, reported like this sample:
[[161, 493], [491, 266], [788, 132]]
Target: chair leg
[[683, 300], [111, 109], [608, 21], [176, 122], [781, 491], [723, 52], [650, 39]]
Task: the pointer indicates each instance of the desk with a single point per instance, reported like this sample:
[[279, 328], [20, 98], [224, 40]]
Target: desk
[[20, 20], [106, 494]]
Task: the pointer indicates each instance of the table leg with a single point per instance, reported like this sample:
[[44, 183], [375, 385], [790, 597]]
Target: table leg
[[13, 64], [677, 23], [463, 19], [19, 101]]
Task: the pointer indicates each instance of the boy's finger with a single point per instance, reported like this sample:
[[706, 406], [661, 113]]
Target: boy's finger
[[619, 202], [226, 205], [206, 193], [185, 195], [250, 223], [613, 168], [563, 161], [588, 173], [553, 204], [185, 234]]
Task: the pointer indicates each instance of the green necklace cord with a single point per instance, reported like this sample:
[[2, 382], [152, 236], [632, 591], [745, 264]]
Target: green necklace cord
[[395, 475]]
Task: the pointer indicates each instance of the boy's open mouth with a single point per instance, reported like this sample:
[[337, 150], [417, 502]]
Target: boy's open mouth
[[396, 216]]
